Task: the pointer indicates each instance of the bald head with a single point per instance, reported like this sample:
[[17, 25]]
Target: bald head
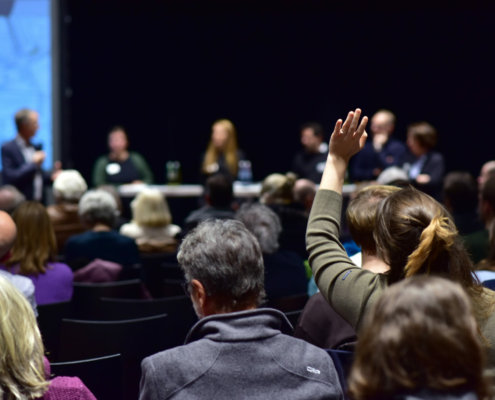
[[487, 171], [10, 198], [8, 233], [383, 122]]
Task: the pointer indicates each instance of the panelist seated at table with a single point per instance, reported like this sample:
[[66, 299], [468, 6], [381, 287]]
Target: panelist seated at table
[[121, 166], [379, 153], [222, 155]]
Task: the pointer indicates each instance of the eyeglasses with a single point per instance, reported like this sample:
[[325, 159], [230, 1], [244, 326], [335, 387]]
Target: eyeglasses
[[186, 288]]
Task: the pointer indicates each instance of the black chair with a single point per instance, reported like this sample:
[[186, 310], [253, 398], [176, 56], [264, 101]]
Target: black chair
[[343, 361], [133, 339], [86, 297], [131, 272], [172, 271], [293, 317], [50, 318], [288, 304], [158, 258], [179, 310], [154, 274], [102, 376]]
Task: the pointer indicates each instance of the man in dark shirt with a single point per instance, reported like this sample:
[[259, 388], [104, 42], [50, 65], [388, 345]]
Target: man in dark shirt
[[309, 163], [379, 153]]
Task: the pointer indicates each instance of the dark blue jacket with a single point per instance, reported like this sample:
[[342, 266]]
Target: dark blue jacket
[[17, 172], [368, 159], [434, 167]]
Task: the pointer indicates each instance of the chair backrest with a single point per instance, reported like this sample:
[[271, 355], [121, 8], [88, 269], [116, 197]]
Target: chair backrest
[[131, 272], [343, 362], [172, 271], [86, 297], [293, 317], [133, 339], [50, 324], [288, 304], [102, 376], [490, 284]]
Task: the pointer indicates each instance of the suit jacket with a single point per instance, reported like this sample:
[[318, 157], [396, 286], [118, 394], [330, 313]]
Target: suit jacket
[[17, 172], [434, 167]]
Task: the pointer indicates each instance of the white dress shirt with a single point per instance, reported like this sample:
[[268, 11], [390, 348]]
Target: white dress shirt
[[28, 151], [25, 285]]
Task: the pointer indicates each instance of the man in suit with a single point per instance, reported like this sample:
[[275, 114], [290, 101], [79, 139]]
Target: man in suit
[[21, 160]]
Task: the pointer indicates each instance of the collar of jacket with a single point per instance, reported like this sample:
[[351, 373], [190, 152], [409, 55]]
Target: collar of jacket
[[241, 326]]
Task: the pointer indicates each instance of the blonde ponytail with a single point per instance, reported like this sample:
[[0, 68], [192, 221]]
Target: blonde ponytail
[[438, 236]]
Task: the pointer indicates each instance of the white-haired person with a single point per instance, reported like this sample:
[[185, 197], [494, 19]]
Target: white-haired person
[[64, 214], [25, 372], [151, 226], [98, 210]]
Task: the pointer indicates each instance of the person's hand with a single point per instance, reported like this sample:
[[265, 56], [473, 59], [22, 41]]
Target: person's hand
[[57, 169], [423, 179], [379, 139], [137, 182], [348, 139], [39, 157]]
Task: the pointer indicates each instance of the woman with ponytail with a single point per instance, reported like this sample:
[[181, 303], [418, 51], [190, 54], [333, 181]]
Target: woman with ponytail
[[414, 235]]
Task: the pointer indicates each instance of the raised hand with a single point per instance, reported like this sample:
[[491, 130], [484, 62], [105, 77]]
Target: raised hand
[[348, 138]]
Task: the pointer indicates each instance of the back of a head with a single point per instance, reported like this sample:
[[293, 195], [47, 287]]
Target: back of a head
[[304, 189], [69, 186], [424, 133], [488, 192], [278, 189], [226, 258], [460, 191], [361, 215], [263, 223], [21, 347], [22, 117], [420, 334], [414, 234], [219, 191], [8, 233], [98, 207], [10, 198], [35, 244], [150, 209]]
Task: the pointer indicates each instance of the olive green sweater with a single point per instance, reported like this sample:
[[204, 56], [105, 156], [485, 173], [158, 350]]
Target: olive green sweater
[[100, 175], [350, 290]]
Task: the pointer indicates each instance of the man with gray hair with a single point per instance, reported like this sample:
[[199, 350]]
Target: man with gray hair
[[10, 198], [235, 350]]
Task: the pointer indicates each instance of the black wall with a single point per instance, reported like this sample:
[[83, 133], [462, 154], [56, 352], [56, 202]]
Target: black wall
[[167, 72]]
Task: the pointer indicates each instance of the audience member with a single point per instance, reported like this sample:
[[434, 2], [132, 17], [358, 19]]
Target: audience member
[[477, 243], [222, 154], [414, 235], [309, 163], [10, 198], [119, 219], [25, 371], [64, 214], [424, 166], [235, 350], [21, 160], [485, 269], [487, 171], [98, 210], [33, 255], [121, 166], [460, 196], [304, 193], [277, 193], [393, 176], [285, 273], [151, 226], [420, 341], [219, 195], [8, 234], [380, 153], [319, 324]]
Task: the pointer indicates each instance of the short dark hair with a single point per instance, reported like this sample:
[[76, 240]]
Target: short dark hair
[[461, 190], [315, 126], [424, 133], [119, 128], [220, 191], [226, 258], [488, 192]]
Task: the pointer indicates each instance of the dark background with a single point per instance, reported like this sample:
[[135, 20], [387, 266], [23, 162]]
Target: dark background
[[167, 70]]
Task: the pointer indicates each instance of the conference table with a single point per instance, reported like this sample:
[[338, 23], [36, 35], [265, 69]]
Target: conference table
[[241, 190]]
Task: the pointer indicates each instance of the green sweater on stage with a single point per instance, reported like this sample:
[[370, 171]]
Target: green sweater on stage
[[138, 161]]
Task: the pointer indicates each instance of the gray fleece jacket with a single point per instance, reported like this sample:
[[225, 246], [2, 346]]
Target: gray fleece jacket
[[242, 355]]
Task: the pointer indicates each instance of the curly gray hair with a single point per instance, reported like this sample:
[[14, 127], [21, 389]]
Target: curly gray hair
[[98, 206]]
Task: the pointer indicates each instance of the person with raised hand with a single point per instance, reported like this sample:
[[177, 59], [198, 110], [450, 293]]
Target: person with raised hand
[[414, 235]]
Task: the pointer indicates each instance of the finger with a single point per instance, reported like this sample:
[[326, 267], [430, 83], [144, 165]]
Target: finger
[[355, 121], [347, 123], [362, 126], [338, 125], [362, 140]]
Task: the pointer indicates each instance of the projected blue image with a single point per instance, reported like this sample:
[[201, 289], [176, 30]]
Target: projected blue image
[[25, 67]]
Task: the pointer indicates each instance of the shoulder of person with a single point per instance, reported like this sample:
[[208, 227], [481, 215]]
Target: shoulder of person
[[9, 144], [135, 156], [172, 230], [68, 388], [131, 229]]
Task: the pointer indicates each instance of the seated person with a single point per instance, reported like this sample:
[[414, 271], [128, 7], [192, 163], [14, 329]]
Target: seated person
[[309, 163], [67, 191], [486, 172], [121, 166], [319, 324], [98, 210], [235, 351], [477, 243], [420, 341], [304, 193], [33, 255], [219, 195], [379, 153], [277, 193], [424, 166], [151, 226], [25, 371], [460, 196], [285, 273], [10, 198]]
